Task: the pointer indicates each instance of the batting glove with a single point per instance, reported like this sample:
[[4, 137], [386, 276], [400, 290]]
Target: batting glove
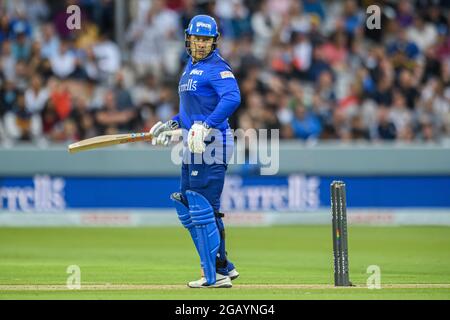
[[160, 132], [196, 137]]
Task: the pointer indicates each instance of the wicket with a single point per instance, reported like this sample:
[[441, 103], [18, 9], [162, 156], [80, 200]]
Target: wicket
[[339, 225]]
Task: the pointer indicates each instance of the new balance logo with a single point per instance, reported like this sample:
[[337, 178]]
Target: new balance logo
[[194, 173]]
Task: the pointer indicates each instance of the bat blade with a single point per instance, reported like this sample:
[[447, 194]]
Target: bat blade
[[113, 139], [108, 140]]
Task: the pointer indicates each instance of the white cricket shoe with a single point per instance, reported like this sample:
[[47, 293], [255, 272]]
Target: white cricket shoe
[[221, 282], [233, 274]]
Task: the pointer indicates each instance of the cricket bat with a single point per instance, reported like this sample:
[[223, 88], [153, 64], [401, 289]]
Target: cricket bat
[[113, 139]]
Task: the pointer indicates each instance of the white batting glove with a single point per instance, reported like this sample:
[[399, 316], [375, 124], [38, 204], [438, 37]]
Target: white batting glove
[[160, 132], [196, 138]]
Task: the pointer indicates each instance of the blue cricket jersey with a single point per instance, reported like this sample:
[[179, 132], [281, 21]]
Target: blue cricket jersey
[[208, 93]]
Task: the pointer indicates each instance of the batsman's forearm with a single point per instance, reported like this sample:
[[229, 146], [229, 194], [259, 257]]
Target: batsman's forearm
[[226, 107]]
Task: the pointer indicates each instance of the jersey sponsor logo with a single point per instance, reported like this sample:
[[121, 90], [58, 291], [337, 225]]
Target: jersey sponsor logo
[[226, 74], [204, 25], [194, 173], [191, 85], [196, 72]]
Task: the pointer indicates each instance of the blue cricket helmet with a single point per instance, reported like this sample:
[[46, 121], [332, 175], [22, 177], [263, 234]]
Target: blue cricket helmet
[[201, 25]]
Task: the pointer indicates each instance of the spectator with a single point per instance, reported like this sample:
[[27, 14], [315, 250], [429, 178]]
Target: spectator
[[279, 7], [385, 129], [60, 97], [146, 91], [407, 134], [305, 124], [50, 119], [255, 105], [22, 75], [404, 52], [286, 132], [432, 68], [423, 34], [111, 119], [83, 118], [188, 12], [339, 127], [107, 55], [8, 97], [63, 63], [20, 124], [383, 92], [20, 25], [234, 18], [8, 61], [407, 86], [318, 65], [21, 46], [302, 54], [284, 114], [314, 7], [49, 42], [165, 108], [147, 116], [122, 94], [35, 59], [90, 65], [427, 133], [405, 13], [297, 21], [36, 95], [264, 24], [353, 18], [281, 59], [358, 129], [87, 36], [150, 39], [66, 132], [5, 28], [400, 115], [335, 51]]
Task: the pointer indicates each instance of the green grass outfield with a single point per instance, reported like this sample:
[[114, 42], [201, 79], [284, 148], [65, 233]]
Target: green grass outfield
[[293, 262]]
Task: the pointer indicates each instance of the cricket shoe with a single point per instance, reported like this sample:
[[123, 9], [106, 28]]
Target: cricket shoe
[[233, 274], [227, 268], [221, 282]]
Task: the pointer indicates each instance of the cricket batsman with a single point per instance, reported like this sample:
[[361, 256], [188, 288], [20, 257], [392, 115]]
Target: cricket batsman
[[209, 94]]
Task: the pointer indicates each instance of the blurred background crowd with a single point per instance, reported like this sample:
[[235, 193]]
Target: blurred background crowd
[[310, 68]]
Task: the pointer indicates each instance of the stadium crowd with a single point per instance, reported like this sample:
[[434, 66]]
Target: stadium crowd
[[310, 68]]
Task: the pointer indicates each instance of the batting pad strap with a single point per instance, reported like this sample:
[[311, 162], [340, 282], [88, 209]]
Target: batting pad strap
[[208, 235], [219, 214]]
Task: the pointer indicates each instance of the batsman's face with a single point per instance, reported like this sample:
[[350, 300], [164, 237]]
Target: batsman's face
[[200, 46]]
